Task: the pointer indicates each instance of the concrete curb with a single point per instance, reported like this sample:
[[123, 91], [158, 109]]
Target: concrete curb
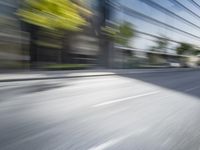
[[93, 73]]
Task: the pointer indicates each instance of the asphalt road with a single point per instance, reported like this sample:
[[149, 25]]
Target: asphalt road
[[150, 111]]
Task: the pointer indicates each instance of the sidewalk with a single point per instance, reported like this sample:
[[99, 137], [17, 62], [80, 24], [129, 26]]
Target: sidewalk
[[45, 75]]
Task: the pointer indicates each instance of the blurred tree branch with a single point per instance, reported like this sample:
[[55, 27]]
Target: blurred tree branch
[[53, 14], [120, 34]]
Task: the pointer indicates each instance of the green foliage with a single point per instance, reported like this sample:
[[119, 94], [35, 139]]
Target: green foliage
[[196, 52], [111, 32], [125, 33], [161, 45], [52, 14], [120, 34], [185, 48], [126, 30]]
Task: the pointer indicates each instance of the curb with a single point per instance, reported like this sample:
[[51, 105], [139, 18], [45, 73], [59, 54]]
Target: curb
[[97, 74]]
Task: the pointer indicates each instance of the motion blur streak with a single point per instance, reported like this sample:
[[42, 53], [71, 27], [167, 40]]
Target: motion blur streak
[[85, 34], [99, 75], [57, 114]]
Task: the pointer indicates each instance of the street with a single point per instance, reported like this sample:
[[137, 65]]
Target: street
[[141, 111]]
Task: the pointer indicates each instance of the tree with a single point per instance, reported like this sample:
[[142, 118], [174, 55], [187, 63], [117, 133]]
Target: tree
[[161, 44], [185, 48], [115, 33], [120, 34], [126, 32], [196, 51], [57, 16], [52, 14]]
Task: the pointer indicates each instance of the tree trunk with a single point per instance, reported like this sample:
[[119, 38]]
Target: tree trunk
[[65, 51], [33, 46]]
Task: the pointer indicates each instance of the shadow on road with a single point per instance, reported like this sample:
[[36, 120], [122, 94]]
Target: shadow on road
[[182, 81]]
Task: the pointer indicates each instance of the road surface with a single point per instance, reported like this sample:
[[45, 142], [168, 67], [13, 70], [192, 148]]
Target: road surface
[[146, 111]]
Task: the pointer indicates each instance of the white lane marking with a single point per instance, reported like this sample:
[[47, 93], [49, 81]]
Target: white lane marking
[[191, 89], [125, 99]]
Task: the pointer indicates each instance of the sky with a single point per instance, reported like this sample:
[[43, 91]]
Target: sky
[[144, 42]]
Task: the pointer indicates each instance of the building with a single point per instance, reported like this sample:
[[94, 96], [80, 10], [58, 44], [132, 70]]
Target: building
[[12, 39]]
